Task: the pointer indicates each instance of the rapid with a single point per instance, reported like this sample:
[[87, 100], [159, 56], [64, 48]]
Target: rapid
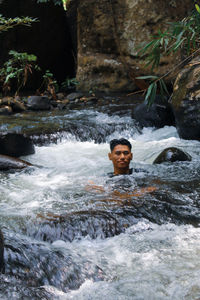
[[64, 240]]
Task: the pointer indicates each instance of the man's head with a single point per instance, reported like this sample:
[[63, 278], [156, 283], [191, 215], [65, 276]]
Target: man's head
[[120, 155]]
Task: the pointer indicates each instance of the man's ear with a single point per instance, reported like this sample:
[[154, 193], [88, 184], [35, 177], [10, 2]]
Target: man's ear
[[110, 156], [131, 155]]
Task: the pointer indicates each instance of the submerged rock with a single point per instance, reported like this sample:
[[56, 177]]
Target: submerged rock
[[79, 224], [35, 264], [172, 154], [13, 144], [10, 163]]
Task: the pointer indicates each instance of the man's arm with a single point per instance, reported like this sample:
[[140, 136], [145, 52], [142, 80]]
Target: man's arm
[[135, 193]]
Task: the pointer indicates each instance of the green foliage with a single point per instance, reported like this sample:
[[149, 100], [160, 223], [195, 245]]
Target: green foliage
[[49, 84], [68, 84], [56, 2], [17, 70], [47, 76], [20, 65], [197, 8], [183, 35], [8, 23], [155, 83], [49, 80]]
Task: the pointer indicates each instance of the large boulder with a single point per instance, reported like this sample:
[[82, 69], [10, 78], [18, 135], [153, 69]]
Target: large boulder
[[109, 33], [172, 154], [186, 101], [13, 144], [157, 115]]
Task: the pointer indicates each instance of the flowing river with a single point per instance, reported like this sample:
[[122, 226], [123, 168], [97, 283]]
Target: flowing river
[[65, 240]]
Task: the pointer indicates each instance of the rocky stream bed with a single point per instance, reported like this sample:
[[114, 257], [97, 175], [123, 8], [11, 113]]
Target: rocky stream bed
[[63, 241]]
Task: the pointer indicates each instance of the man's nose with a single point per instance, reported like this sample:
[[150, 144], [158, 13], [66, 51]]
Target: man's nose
[[122, 155]]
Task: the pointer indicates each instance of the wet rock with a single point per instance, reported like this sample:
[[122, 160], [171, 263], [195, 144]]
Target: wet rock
[[21, 291], [92, 99], [186, 101], [13, 144], [60, 96], [5, 110], [9, 163], [15, 104], [55, 123], [39, 103], [157, 115], [38, 264], [74, 96], [94, 224], [18, 106], [159, 208], [6, 100], [1, 252], [63, 104], [172, 154]]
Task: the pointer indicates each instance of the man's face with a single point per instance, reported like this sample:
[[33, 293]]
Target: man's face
[[121, 157]]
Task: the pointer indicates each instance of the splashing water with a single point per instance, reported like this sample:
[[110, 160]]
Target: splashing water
[[63, 241]]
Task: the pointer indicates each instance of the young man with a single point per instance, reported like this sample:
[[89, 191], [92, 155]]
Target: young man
[[120, 156]]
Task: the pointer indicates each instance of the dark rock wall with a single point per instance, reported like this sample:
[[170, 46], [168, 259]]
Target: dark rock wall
[[49, 39], [110, 31]]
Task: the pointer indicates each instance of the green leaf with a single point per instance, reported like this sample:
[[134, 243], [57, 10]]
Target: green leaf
[[178, 44], [197, 8], [163, 87], [149, 92], [147, 77], [152, 95], [145, 48]]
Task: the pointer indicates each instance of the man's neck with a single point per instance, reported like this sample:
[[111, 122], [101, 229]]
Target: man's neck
[[121, 171]]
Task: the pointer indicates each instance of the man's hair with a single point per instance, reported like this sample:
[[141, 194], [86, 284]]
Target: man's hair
[[121, 141]]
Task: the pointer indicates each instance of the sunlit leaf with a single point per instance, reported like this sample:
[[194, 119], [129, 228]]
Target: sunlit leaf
[[197, 8]]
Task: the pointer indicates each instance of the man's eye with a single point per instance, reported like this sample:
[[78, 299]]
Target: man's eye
[[126, 152], [117, 152]]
